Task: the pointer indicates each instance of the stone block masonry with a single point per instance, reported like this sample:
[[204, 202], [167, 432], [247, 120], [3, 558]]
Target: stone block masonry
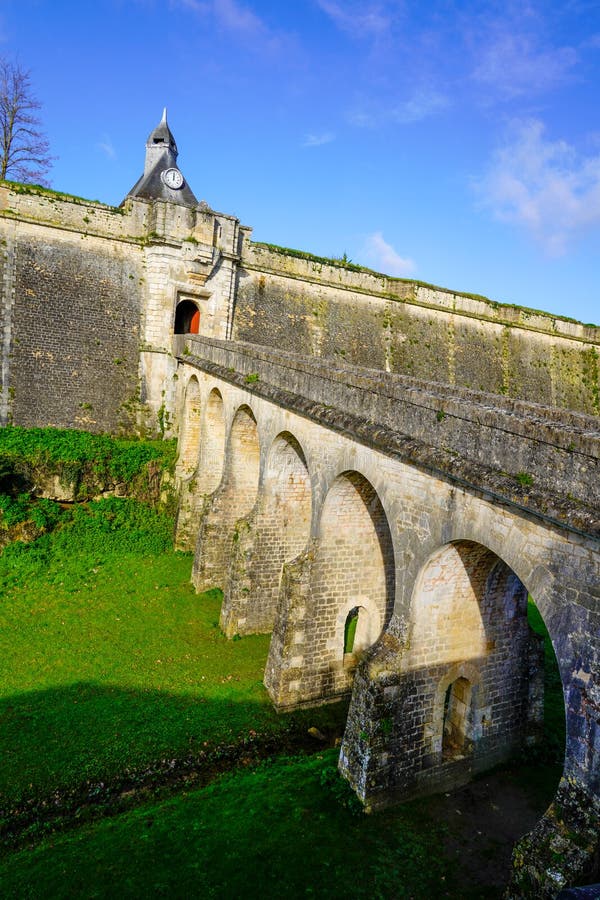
[[89, 297], [317, 307], [376, 469], [432, 552], [74, 352]]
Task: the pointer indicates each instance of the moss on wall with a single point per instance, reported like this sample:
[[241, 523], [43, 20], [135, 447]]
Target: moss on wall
[[437, 343]]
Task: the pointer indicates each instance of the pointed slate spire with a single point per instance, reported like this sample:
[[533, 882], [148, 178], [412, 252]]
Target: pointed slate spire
[[161, 158], [160, 142]]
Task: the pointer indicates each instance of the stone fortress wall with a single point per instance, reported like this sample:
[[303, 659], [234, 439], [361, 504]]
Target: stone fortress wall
[[302, 304], [90, 292]]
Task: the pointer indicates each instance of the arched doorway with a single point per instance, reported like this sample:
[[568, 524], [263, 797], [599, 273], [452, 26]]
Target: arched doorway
[[187, 318], [457, 720]]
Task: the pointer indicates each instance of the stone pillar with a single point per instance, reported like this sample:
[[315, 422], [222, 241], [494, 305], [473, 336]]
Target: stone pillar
[[563, 850], [241, 609], [216, 535], [286, 666]]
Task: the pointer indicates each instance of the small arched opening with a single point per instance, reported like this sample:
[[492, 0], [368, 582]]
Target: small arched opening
[[187, 318], [457, 715], [350, 627]]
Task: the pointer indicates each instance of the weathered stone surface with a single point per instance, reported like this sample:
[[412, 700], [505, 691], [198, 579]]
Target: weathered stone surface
[[439, 545], [344, 314]]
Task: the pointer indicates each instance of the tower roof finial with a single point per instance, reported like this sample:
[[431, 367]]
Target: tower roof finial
[[164, 116]]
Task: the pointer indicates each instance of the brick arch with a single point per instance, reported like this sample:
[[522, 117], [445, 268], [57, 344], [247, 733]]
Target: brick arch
[[468, 620], [354, 558], [243, 460], [232, 501], [189, 438], [212, 452], [287, 494], [276, 532], [467, 626], [350, 564]]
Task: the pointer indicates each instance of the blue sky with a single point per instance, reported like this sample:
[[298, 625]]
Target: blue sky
[[454, 142]]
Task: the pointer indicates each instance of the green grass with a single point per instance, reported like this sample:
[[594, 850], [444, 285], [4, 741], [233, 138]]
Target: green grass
[[271, 831], [554, 708], [110, 662]]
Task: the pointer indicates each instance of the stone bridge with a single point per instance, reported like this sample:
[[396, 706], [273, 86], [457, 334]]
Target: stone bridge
[[388, 531]]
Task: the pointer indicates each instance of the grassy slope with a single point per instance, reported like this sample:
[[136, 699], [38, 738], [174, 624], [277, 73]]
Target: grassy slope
[[110, 661]]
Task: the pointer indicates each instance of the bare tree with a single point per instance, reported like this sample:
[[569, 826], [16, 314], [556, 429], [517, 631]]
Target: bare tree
[[24, 148]]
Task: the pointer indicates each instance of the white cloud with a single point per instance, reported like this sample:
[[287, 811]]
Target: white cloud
[[358, 19], [420, 106], [543, 186], [235, 16], [424, 103], [511, 64], [317, 140], [230, 14], [107, 147], [383, 257]]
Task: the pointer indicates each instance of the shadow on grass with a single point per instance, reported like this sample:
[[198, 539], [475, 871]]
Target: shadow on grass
[[257, 832], [93, 745]]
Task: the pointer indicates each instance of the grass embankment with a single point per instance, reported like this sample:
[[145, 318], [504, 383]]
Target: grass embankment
[[109, 662], [87, 463]]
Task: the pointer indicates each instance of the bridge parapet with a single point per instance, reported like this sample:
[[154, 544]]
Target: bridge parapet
[[546, 460]]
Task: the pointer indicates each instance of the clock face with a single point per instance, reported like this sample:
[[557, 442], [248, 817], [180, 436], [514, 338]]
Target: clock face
[[172, 178]]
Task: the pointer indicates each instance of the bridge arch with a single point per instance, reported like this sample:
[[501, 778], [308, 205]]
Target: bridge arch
[[350, 566], [212, 452], [189, 439], [201, 458], [275, 534], [476, 664], [464, 687], [232, 502], [243, 462]]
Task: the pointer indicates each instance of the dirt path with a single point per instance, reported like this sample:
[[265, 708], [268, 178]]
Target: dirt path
[[487, 817]]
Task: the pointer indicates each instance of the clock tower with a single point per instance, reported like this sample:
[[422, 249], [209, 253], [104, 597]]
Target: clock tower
[[162, 179]]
